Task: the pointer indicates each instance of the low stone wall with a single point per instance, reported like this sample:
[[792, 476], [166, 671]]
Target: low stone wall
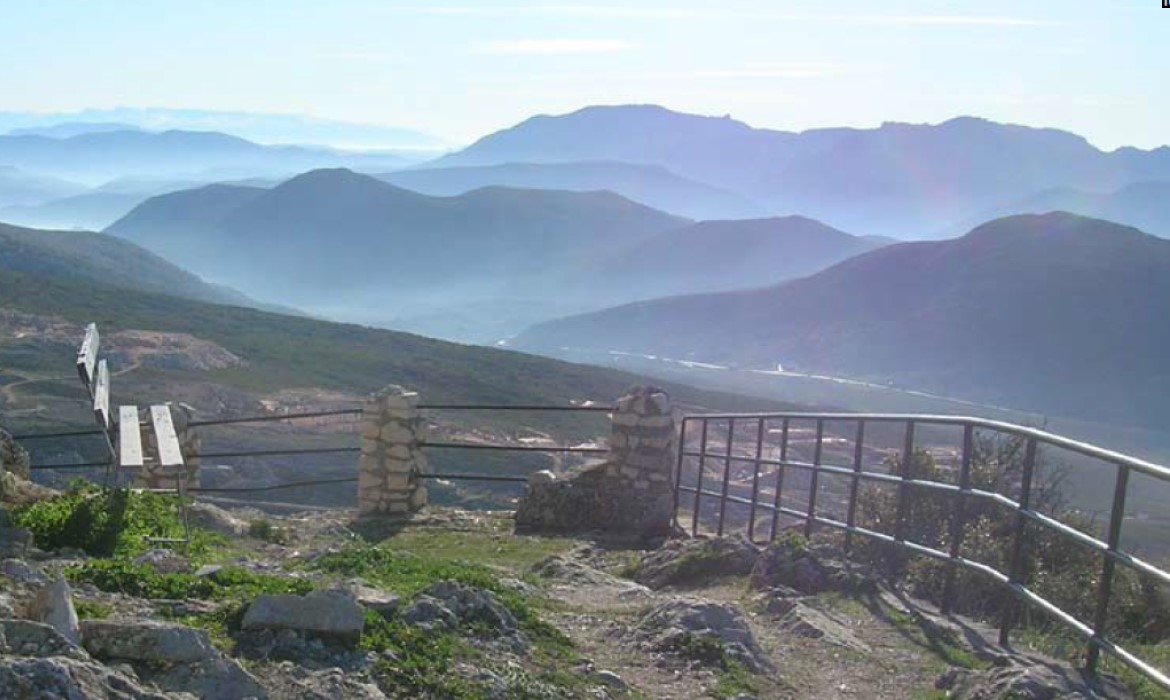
[[391, 457], [631, 493]]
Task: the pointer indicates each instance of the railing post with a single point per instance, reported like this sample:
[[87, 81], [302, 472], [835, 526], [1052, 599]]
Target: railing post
[[776, 500], [907, 471], [959, 520], [1016, 573], [682, 448], [756, 480], [391, 454], [1105, 590], [699, 478], [726, 474], [854, 484], [814, 479]]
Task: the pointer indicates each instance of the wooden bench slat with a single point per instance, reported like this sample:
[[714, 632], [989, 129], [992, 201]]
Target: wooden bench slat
[[87, 355], [101, 396], [169, 454], [129, 437]]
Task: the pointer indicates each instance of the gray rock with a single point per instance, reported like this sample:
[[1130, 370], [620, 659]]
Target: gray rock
[[694, 561], [665, 626], [429, 613], [210, 679], [1019, 678], [611, 679], [13, 457], [18, 570], [381, 602], [145, 640], [28, 638], [53, 606], [470, 604], [544, 476], [810, 623], [333, 612], [808, 569], [216, 519], [15, 541], [62, 677]]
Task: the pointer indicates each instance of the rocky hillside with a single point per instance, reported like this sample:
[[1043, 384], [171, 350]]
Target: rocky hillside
[[454, 605]]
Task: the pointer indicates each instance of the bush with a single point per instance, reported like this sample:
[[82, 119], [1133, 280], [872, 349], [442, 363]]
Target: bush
[[101, 523]]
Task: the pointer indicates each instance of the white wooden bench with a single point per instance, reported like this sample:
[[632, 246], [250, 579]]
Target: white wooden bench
[[127, 453]]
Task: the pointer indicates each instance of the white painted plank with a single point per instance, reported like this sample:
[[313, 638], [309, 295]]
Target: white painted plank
[[169, 454], [101, 396], [129, 437], [87, 355]]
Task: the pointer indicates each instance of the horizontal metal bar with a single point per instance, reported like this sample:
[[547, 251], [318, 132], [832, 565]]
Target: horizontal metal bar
[[273, 418], [510, 407], [50, 436], [256, 489], [1087, 449], [271, 453], [515, 448], [74, 465], [473, 477]]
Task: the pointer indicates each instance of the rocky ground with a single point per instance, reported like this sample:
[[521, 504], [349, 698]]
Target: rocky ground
[[451, 604]]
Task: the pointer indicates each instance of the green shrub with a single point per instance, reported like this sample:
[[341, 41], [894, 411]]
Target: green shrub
[[101, 523], [139, 580]]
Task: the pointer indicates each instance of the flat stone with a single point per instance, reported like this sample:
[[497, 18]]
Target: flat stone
[[330, 612], [28, 638], [145, 640]]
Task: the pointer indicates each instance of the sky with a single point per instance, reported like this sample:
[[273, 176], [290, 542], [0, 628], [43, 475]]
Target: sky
[[463, 69]]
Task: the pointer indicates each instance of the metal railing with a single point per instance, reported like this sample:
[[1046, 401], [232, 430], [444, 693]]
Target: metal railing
[[348, 449], [758, 451]]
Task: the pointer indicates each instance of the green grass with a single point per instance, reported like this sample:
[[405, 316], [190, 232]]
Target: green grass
[[139, 580]]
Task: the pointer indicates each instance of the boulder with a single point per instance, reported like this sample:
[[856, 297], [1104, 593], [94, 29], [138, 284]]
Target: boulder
[[334, 613], [668, 627], [791, 563], [381, 602], [63, 677], [28, 638], [1031, 678], [145, 640], [19, 571], [695, 561], [216, 519], [13, 457], [53, 605], [209, 679]]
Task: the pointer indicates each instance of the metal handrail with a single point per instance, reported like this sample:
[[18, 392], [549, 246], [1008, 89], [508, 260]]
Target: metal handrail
[[1014, 580]]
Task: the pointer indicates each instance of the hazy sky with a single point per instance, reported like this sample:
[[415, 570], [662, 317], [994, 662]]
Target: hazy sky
[[463, 69]]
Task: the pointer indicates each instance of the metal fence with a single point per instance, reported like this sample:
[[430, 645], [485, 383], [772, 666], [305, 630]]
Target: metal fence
[[202, 425], [733, 469]]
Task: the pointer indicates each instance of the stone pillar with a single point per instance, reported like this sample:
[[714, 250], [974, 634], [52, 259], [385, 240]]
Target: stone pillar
[[630, 494], [392, 457], [642, 458]]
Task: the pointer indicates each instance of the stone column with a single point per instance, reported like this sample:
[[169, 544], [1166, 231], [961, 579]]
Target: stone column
[[630, 494], [642, 459], [392, 457]]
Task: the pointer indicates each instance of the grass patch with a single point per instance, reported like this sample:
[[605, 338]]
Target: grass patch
[[141, 581], [92, 609], [118, 522]]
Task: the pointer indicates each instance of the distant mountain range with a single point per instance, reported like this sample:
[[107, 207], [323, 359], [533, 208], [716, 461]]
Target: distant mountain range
[[902, 180], [1051, 313], [366, 247], [711, 256], [106, 260], [259, 127], [651, 185], [18, 187], [475, 267], [95, 158], [1144, 205]]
